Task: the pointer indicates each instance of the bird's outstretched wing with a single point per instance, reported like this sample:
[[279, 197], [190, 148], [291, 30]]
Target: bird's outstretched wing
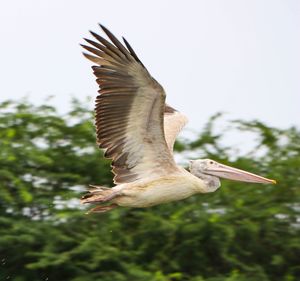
[[174, 121], [129, 111]]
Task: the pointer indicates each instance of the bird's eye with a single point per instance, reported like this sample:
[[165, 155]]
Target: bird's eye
[[211, 162]]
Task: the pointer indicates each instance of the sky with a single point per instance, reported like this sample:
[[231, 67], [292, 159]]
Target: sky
[[239, 57]]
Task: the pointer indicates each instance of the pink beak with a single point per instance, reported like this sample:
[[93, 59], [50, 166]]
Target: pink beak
[[231, 173]]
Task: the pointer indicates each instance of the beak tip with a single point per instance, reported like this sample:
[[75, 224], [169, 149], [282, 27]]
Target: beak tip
[[274, 181]]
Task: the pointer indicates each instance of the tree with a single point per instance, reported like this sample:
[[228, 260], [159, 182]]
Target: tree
[[241, 232]]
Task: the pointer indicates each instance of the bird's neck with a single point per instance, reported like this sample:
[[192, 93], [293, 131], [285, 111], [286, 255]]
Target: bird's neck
[[211, 183]]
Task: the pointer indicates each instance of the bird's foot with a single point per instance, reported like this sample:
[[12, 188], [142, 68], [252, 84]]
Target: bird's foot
[[100, 195], [102, 209]]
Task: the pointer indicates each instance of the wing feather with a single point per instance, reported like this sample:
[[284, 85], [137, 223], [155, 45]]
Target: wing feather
[[174, 121], [129, 111]]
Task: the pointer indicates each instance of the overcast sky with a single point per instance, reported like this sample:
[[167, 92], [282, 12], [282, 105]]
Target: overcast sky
[[239, 57]]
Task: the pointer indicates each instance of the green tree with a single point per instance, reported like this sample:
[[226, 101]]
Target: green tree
[[242, 232]]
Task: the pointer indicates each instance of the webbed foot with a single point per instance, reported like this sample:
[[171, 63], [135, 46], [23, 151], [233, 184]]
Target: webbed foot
[[102, 209]]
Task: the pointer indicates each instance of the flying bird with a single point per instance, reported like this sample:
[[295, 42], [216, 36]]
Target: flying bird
[[137, 130]]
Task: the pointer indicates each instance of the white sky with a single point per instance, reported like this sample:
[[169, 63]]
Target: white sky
[[239, 57]]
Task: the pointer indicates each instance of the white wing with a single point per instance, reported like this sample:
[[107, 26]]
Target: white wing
[[174, 121], [129, 112]]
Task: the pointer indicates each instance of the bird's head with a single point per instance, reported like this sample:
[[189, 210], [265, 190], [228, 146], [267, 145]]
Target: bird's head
[[210, 171]]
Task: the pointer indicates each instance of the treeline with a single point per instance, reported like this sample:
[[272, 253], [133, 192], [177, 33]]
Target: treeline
[[242, 232]]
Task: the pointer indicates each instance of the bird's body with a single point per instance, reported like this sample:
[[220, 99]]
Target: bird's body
[[137, 130], [153, 191]]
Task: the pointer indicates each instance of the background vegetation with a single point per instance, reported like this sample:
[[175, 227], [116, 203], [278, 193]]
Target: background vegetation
[[242, 232]]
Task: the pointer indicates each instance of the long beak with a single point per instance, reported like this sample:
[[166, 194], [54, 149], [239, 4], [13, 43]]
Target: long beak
[[231, 173]]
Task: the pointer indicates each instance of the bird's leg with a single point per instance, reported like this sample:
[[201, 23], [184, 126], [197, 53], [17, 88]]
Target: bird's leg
[[102, 209], [111, 196], [97, 187], [100, 195]]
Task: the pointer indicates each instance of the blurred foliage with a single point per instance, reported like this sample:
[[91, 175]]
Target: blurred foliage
[[242, 232]]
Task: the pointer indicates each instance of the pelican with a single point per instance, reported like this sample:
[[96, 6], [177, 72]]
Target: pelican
[[137, 130]]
